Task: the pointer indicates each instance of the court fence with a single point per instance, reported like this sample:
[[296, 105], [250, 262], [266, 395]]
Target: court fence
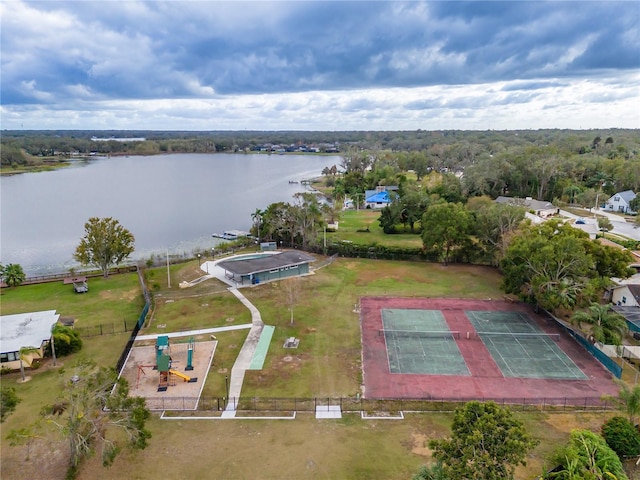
[[373, 407], [599, 355]]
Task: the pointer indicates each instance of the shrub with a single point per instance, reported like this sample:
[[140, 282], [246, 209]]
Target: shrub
[[8, 401], [622, 436], [585, 452], [66, 341]]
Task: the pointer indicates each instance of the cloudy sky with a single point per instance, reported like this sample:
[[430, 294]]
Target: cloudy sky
[[319, 65]]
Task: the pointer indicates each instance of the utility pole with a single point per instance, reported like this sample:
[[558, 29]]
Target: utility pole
[[168, 272]]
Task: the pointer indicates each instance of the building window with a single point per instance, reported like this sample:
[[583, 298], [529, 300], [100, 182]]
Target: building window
[[624, 299], [9, 357], [616, 199]]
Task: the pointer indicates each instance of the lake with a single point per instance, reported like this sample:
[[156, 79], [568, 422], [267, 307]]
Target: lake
[[168, 202]]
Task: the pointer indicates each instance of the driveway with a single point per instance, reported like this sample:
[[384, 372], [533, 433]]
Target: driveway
[[620, 226]]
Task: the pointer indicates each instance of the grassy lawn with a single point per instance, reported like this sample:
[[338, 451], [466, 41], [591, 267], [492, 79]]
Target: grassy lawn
[[110, 300], [347, 449], [351, 221], [327, 363]]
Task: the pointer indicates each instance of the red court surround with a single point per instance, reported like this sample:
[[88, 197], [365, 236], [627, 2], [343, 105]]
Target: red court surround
[[486, 380]]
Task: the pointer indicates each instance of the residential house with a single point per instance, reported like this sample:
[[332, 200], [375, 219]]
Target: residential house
[[540, 208], [379, 198], [620, 202], [626, 295], [25, 330]]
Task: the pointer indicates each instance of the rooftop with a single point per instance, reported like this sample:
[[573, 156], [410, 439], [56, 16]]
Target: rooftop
[[627, 195], [266, 262], [26, 329], [526, 202]]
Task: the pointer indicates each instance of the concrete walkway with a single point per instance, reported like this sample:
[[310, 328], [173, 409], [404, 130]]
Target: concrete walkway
[[243, 362], [245, 357], [190, 333]]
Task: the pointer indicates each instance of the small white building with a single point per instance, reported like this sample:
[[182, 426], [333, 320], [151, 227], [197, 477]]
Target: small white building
[[626, 295], [22, 330], [620, 202]]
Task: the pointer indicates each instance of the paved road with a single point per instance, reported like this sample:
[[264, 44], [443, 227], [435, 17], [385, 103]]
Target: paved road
[[620, 226]]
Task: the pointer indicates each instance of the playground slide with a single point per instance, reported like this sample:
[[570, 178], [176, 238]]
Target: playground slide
[[181, 375]]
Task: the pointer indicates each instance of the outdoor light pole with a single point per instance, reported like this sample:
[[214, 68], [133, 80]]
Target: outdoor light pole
[[199, 264], [226, 383], [168, 272], [325, 239]]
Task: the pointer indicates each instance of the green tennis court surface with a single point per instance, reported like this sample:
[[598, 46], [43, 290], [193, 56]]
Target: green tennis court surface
[[419, 342], [520, 348]]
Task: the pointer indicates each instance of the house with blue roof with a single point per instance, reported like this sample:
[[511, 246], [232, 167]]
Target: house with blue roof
[[378, 198]]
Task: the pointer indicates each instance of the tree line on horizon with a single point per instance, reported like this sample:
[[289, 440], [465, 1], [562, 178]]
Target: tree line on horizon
[[559, 159]]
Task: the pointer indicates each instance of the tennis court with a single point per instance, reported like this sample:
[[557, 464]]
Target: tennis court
[[420, 342], [462, 349], [520, 348]]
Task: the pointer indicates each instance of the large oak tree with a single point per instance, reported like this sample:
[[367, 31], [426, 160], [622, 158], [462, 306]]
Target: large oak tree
[[555, 265], [487, 442], [104, 244], [446, 230]]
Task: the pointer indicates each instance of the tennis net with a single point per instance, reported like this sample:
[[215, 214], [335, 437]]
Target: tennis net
[[419, 333], [519, 336]]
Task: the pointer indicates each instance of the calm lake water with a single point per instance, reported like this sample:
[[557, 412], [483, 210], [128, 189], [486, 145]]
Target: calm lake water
[[169, 202]]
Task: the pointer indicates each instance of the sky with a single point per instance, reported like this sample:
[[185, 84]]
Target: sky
[[319, 65]]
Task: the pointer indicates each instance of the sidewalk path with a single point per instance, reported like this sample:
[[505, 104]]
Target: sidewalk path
[[243, 362], [189, 333], [245, 357]]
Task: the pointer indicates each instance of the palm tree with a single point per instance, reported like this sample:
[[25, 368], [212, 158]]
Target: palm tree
[[628, 400], [24, 351], [12, 274], [607, 326], [256, 217]]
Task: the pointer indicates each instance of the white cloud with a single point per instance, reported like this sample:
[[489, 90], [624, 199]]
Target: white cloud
[[576, 104], [318, 65]]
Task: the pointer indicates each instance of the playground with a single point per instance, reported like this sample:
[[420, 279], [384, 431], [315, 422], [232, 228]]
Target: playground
[[169, 374], [457, 349]]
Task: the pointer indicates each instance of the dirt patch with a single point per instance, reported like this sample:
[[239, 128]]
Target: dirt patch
[[127, 296], [50, 455], [289, 362], [565, 422], [107, 295], [419, 446]]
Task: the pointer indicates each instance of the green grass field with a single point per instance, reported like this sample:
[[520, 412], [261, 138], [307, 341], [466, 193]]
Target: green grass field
[[327, 363], [110, 300], [362, 227]]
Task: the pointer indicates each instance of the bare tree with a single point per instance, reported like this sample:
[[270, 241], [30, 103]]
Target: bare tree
[[291, 289]]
